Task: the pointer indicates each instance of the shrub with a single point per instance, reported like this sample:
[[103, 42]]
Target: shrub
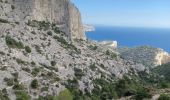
[[19, 61], [3, 21], [65, 95], [34, 84], [9, 81], [12, 7], [50, 33], [61, 40], [142, 93], [27, 49], [39, 24], [56, 30], [111, 54], [22, 95], [78, 73], [164, 97], [4, 95], [53, 63], [18, 87], [35, 71], [65, 44], [93, 47], [38, 49], [26, 69], [12, 43], [93, 67]]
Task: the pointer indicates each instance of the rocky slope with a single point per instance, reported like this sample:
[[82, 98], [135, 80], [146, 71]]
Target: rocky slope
[[37, 57], [32, 53], [38, 60], [146, 55]]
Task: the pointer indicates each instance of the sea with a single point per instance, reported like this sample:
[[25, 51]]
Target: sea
[[132, 36]]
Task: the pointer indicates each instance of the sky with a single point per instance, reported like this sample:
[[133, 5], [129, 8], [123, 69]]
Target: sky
[[131, 13]]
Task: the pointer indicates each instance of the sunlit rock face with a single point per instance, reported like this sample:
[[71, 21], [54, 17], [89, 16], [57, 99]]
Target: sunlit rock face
[[61, 12], [162, 57], [112, 44]]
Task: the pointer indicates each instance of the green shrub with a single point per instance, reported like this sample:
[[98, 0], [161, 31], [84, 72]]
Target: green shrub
[[12, 7], [93, 47], [18, 87], [26, 69], [9, 81], [142, 93], [47, 97], [56, 30], [34, 84], [19, 61], [41, 25], [4, 95], [93, 66], [164, 97], [53, 63], [3, 21], [12, 43], [22, 95], [61, 40], [65, 95], [35, 71], [65, 44], [50, 33], [38, 49], [111, 54], [78, 73], [27, 49]]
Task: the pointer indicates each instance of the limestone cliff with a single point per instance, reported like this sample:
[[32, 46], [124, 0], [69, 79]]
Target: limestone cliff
[[162, 57], [62, 12]]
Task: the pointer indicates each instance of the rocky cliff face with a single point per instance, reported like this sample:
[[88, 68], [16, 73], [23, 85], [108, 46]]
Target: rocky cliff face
[[62, 12]]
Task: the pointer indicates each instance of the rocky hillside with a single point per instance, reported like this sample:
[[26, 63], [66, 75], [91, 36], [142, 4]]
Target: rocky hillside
[[149, 56], [44, 55], [39, 51], [38, 60]]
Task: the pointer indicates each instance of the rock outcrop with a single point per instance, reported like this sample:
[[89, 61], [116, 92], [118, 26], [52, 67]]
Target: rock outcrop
[[146, 55], [112, 44], [61, 12]]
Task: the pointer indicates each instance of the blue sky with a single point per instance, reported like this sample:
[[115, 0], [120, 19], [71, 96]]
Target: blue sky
[[132, 13]]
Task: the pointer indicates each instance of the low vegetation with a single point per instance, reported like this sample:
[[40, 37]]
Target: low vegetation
[[164, 97], [12, 43], [65, 44], [111, 54], [93, 47], [34, 84], [41, 25], [64, 95], [78, 73], [3, 21], [27, 49]]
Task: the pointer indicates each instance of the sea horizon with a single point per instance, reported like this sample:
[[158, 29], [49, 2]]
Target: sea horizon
[[132, 36]]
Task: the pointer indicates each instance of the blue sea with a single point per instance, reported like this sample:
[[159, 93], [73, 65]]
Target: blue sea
[[131, 37]]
